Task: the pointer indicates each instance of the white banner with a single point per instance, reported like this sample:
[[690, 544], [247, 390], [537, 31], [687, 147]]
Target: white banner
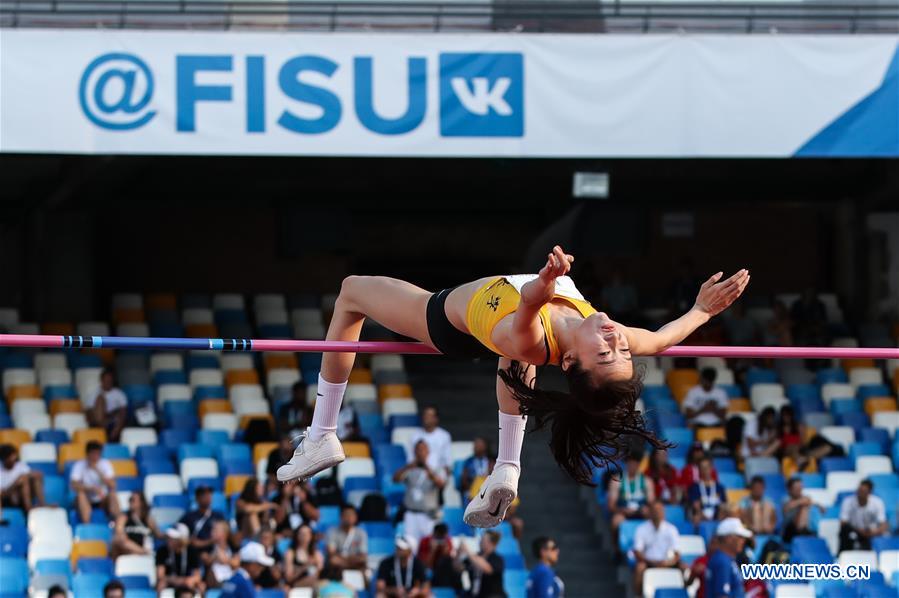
[[143, 92]]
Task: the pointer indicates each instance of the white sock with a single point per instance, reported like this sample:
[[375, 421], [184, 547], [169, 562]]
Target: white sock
[[511, 437], [327, 408]]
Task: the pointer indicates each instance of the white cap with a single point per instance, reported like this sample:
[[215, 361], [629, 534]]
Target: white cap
[[733, 527], [405, 543], [179, 531], [254, 552]]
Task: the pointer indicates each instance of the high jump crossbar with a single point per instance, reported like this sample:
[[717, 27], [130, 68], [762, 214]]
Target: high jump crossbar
[[48, 341]]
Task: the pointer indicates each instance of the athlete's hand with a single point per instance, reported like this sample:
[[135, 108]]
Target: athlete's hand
[[714, 296], [558, 263]]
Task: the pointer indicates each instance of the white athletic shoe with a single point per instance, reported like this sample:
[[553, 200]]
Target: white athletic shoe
[[310, 457], [488, 507]]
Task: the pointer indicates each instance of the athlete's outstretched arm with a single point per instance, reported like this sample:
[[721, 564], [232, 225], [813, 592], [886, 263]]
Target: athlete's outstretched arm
[[527, 333], [713, 298]]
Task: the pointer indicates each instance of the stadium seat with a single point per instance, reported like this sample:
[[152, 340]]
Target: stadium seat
[[858, 557], [198, 468], [13, 541], [839, 481], [135, 437], [225, 422], [888, 561], [872, 464], [655, 578], [888, 420], [136, 565], [794, 590], [161, 484]]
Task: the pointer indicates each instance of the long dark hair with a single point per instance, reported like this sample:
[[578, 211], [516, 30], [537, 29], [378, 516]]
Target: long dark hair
[[589, 426]]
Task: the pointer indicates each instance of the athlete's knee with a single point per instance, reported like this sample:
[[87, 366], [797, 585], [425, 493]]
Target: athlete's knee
[[350, 290]]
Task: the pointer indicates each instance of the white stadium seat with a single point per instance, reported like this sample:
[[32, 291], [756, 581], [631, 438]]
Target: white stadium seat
[[36, 422], [9, 317], [269, 301], [38, 452], [386, 363], [829, 531], [197, 315], [50, 361], [306, 315], [836, 390], [226, 422], [889, 563], [361, 392], [842, 435], [838, 481], [795, 590], [161, 483], [250, 407], [54, 377], [87, 381], [136, 564], [820, 496], [70, 422], [461, 450], [867, 465], [47, 521], [355, 467], [717, 363], [272, 316], [133, 329], [198, 468], [861, 376], [229, 301], [655, 578], [281, 377], [92, 329], [859, 557], [403, 436], [135, 437], [236, 361], [173, 392], [888, 420], [22, 409], [239, 392], [690, 545], [206, 377], [654, 378], [166, 361], [393, 407], [18, 377]]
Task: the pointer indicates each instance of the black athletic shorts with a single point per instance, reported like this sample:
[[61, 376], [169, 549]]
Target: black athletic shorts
[[448, 339]]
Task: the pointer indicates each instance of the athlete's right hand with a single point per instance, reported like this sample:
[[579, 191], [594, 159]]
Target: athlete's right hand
[[558, 263]]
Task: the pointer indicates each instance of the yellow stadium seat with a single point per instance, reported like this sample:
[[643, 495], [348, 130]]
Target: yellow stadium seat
[[877, 404], [739, 405], [214, 406], [735, 495], [682, 376], [23, 391], [262, 450], [394, 391], [357, 449], [85, 435], [850, 364], [710, 434], [201, 330], [15, 437], [60, 328], [124, 467], [896, 381], [679, 390], [235, 483], [162, 301], [241, 377], [88, 549], [70, 451], [128, 315], [789, 468], [65, 406], [107, 356], [360, 376], [810, 433], [246, 419], [280, 361]]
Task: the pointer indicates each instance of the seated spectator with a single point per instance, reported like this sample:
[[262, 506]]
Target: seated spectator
[[629, 494], [93, 480], [543, 581], [723, 577], [698, 568], [862, 517], [485, 569], [706, 404], [19, 486], [438, 440], [253, 563], [296, 507], [796, 511], [347, 543], [272, 576], [761, 438], [756, 511], [402, 575], [201, 520], [332, 585], [108, 408], [655, 545], [176, 565], [664, 477], [706, 497], [422, 498], [252, 512], [476, 467], [114, 589], [789, 434], [135, 531], [348, 429], [219, 560], [295, 416], [690, 473], [304, 562], [437, 555], [276, 458]]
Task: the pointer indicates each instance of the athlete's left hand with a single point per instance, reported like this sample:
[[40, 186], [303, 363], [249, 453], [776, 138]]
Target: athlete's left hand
[[714, 296], [558, 263]]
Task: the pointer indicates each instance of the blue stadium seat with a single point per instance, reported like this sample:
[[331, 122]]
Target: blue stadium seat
[[438, 592], [508, 545], [813, 480], [380, 546], [866, 391], [861, 449], [626, 534], [53, 567], [706, 529], [378, 529], [196, 362], [13, 541], [679, 436], [209, 392], [724, 465], [89, 585], [13, 575], [686, 528], [878, 435], [195, 451], [391, 451], [810, 549], [760, 376], [829, 464], [870, 590], [179, 501], [186, 422], [134, 582], [17, 360], [269, 593], [212, 437], [670, 420], [64, 391], [83, 360], [98, 516], [237, 467], [103, 566], [671, 593], [93, 531], [166, 329], [328, 516], [14, 516], [233, 452], [732, 480], [148, 452], [802, 391], [825, 376], [404, 420], [515, 561], [656, 391], [838, 591], [174, 438], [139, 394], [129, 484], [275, 331], [215, 483], [5, 422], [514, 581], [885, 543], [357, 483], [155, 466], [855, 420], [56, 437], [45, 467], [675, 513], [807, 405], [230, 316], [56, 491], [116, 451], [733, 390], [174, 411], [839, 407]]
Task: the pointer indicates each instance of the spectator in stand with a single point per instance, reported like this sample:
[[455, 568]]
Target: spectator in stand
[[543, 581], [114, 589], [332, 585], [347, 544], [402, 575], [699, 566], [253, 562], [136, 530], [664, 477], [796, 511], [220, 561], [254, 513], [779, 329], [57, 592], [862, 517], [476, 467], [655, 545], [485, 569], [201, 520], [690, 473], [276, 458], [295, 416], [629, 494], [348, 428], [108, 408], [272, 576], [756, 511], [437, 555], [93, 481], [19, 486], [177, 565], [439, 442], [296, 506], [723, 577], [422, 498], [619, 297], [706, 404], [303, 562], [706, 497], [789, 434], [741, 330], [761, 438], [809, 319]]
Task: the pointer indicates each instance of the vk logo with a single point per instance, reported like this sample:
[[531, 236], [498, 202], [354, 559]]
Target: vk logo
[[115, 91], [481, 95]]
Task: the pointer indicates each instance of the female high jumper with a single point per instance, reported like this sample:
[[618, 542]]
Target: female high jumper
[[527, 320]]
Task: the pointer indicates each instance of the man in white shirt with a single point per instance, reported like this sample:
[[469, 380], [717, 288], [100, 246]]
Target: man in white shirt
[[93, 479], [705, 403], [655, 545], [19, 486], [438, 440], [862, 517], [108, 408]]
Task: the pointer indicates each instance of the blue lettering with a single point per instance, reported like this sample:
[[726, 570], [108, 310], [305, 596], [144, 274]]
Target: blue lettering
[[189, 92], [255, 94], [288, 79], [417, 98]]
